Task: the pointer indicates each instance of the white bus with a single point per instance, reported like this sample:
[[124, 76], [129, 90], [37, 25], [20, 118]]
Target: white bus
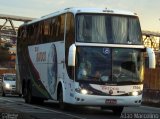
[[83, 56]]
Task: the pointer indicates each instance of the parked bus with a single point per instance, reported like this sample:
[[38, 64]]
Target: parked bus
[[83, 56]]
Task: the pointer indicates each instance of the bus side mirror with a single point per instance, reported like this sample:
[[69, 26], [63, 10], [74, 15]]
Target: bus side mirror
[[72, 55], [151, 58]]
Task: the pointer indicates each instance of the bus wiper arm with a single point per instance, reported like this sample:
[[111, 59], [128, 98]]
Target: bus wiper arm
[[128, 82], [93, 77]]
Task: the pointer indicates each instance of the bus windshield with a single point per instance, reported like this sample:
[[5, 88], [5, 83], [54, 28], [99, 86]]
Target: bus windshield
[[114, 29], [109, 65]]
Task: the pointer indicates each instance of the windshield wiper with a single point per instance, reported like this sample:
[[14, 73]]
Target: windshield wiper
[[93, 77], [128, 82]]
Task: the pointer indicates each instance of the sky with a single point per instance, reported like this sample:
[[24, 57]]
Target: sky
[[147, 10]]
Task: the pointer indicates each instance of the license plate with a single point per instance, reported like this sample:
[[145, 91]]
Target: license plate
[[111, 101]]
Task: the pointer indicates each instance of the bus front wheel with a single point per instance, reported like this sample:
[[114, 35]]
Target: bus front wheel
[[62, 105]]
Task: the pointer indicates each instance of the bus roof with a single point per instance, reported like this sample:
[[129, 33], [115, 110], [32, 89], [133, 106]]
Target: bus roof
[[76, 10]]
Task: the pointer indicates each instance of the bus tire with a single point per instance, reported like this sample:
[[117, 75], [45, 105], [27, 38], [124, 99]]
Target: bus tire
[[117, 110], [62, 105], [20, 95], [3, 94], [28, 95]]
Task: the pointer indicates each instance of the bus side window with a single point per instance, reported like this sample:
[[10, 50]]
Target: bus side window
[[69, 40]]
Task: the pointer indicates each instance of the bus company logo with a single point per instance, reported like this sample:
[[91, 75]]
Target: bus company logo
[[109, 88], [110, 92]]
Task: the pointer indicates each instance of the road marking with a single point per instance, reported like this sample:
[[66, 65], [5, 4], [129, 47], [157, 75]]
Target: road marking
[[33, 106]]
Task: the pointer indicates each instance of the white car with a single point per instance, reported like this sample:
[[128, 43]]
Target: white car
[[8, 84]]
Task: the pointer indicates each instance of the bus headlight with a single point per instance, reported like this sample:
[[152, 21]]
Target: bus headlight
[[84, 91], [7, 85], [135, 93]]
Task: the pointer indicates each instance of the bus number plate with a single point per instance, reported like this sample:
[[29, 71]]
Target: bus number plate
[[111, 101]]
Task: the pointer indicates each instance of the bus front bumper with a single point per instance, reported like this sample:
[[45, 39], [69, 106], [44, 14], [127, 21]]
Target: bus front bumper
[[96, 100]]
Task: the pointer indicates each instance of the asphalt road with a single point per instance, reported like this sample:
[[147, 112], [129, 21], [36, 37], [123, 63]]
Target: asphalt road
[[14, 107]]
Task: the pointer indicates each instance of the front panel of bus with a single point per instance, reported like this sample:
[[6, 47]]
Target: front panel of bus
[[111, 74]]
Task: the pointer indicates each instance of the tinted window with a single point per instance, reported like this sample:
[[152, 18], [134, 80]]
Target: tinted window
[[115, 29]]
